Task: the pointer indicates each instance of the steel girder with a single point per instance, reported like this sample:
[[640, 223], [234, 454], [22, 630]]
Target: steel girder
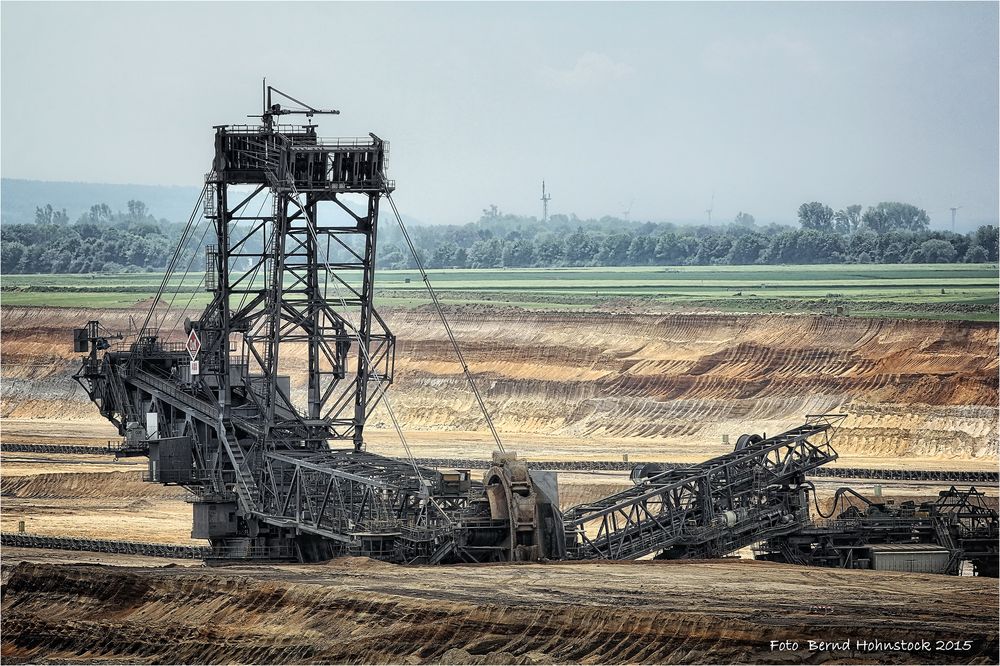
[[750, 492], [365, 502]]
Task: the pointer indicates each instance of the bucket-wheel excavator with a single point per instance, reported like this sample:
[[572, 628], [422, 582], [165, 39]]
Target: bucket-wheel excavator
[[259, 405]]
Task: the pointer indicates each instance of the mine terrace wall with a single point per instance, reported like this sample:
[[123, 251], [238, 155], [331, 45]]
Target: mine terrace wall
[[911, 388]]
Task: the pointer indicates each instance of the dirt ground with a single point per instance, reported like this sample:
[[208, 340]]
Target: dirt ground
[[360, 611], [477, 445]]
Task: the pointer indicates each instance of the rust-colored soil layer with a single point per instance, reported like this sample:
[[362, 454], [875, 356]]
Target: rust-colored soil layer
[[582, 386], [596, 385], [358, 611]]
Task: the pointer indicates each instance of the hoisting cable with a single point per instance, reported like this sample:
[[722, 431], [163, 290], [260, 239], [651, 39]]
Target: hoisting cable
[[187, 269], [197, 287], [310, 226], [173, 259], [194, 292], [444, 320]]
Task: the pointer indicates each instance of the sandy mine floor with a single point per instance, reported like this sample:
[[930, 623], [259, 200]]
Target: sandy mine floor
[[478, 445]]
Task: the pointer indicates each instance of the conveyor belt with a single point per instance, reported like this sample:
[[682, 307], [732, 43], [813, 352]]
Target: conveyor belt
[[960, 476], [173, 551], [963, 476]]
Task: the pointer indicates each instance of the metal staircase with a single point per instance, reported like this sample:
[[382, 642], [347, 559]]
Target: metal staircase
[[245, 485], [943, 536]]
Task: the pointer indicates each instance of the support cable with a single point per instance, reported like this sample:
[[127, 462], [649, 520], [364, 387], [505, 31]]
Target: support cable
[[173, 259], [310, 225], [180, 283], [444, 320], [197, 288], [187, 305]]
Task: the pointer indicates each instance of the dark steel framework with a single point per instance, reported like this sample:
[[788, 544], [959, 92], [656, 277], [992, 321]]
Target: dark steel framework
[[958, 521], [261, 413], [278, 471], [291, 291], [709, 509]]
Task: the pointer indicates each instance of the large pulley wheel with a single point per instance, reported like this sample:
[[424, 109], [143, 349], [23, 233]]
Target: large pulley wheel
[[747, 440], [512, 499]]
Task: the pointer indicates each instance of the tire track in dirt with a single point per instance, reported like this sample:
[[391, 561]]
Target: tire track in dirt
[[364, 612], [89, 485]]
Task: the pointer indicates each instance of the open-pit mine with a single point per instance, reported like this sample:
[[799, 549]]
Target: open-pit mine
[[291, 474]]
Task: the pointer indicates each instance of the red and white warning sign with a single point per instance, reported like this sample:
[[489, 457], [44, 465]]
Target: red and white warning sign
[[193, 344]]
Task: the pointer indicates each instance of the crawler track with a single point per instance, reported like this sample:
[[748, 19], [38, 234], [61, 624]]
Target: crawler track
[[173, 551], [958, 476], [67, 449]]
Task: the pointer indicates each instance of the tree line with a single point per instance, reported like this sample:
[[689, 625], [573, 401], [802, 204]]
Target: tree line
[[100, 240], [890, 232]]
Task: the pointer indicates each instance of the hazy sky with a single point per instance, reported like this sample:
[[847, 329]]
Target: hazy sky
[[655, 105]]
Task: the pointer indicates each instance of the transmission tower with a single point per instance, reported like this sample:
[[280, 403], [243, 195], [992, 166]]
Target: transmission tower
[[545, 203]]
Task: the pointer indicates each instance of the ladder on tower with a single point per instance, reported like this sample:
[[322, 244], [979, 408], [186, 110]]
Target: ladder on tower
[[942, 532], [211, 257]]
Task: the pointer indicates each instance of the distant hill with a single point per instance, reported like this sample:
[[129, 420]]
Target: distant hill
[[19, 198]]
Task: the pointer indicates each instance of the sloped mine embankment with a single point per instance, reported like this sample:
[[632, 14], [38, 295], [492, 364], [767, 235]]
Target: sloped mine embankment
[[910, 388], [105, 505], [358, 611], [125, 485]]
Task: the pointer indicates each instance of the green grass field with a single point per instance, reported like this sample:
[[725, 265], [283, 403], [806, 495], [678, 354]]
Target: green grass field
[[940, 291]]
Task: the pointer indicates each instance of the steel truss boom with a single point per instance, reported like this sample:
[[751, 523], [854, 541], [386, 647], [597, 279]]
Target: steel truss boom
[[259, 405], [709, 508]]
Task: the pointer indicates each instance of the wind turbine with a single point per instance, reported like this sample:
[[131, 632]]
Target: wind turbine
[[710, 207]]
